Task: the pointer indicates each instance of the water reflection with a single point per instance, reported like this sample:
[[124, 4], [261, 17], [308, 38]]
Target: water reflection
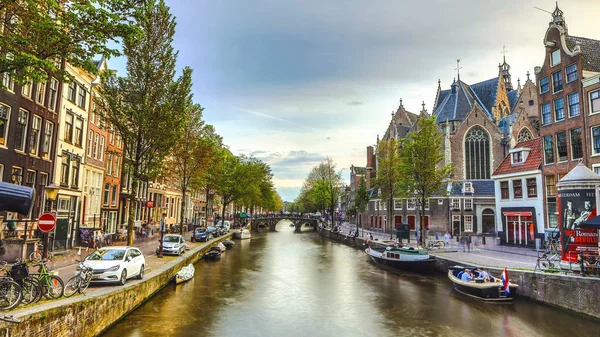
[[286, 284]]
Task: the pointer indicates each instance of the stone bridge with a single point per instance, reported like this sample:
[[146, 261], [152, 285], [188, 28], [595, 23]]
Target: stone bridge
[[271, 223]]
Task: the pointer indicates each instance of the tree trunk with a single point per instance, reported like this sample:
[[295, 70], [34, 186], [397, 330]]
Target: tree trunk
[[206, 205], [131, 211], [223, 212], [181, 217]]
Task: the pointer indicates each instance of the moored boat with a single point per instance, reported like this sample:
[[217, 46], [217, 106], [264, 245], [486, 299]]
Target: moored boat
[[228, 244], [405, 258], [482, 285], [185, 274], [241, 234], [213, 253]]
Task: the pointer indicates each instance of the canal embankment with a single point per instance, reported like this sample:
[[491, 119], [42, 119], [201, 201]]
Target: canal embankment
[[569, 292], [90, 315]]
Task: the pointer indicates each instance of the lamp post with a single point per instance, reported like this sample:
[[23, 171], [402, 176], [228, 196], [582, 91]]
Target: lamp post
[[51, 195], [162, 228]]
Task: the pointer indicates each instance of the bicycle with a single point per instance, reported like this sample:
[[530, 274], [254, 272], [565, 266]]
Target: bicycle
[[431, 244], [79, 282], [11, 294], [19, 273], [548, 260], [37, 255], [52, 285]]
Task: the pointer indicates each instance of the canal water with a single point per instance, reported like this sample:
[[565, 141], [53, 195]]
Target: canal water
[[299, 284]]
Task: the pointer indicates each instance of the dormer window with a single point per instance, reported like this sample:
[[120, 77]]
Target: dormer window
[[517, 157], [555, 58], [468, 187]]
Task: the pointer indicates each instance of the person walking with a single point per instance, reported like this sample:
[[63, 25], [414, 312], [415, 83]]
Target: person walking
[[447, 238]]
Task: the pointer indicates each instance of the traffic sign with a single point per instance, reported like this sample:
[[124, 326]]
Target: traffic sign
[[47, 222], [150, 204]]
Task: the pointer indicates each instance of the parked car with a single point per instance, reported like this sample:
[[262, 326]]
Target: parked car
[[213, 230], [116, 264], [172, 244], [225, 224], [203, 235]]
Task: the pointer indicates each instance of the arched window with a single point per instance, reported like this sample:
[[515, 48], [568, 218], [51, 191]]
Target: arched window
[[524, 135], [477, 154]]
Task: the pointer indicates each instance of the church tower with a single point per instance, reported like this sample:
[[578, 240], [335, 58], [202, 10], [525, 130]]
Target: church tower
[[504, 69]]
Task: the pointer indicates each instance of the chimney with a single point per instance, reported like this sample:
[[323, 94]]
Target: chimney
[[370, 157]]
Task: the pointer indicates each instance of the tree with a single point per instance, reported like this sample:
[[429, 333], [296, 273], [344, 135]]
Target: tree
[[147, 107], [322, 187], [388, 175], [38, 34], [361, 199], [421, 157]]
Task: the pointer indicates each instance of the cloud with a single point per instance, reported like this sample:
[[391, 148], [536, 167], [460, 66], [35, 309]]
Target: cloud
[[354, 103]]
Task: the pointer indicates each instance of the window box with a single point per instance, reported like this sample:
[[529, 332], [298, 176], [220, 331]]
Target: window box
[[468, 210]]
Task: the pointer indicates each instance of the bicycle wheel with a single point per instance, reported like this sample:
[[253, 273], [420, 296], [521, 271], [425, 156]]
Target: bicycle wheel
[[40, 290], [85, 282], [35, 256], [72, 286], [10, 295], [30, 290], [543, 263], [54, 287]]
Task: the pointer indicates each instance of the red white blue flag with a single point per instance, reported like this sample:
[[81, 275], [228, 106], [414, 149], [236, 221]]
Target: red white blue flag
[[504, 279]]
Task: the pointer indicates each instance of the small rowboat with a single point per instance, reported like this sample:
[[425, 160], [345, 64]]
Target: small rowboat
[[488, 288], [185, 274], [214, 253], [228, 243]]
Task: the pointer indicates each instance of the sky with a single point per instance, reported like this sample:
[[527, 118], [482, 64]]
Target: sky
[[291, 82]]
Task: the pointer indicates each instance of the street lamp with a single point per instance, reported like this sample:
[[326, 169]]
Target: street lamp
[[51, 195]]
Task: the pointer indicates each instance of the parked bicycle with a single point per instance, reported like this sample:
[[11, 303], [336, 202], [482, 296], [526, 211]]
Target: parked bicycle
[[11, 294], [30, 287], [79, 282], [548, 260], [431, 244], [52, 285], [37, 255]]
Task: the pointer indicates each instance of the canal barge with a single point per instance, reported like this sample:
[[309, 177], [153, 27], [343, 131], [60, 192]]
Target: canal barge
[[405, 258], [488, 289]]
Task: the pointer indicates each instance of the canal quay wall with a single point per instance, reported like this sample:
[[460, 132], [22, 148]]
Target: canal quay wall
[[573, 293], [90, 315]]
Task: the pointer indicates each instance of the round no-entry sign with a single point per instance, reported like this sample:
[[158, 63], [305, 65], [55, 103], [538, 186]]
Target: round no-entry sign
[[47, 222]]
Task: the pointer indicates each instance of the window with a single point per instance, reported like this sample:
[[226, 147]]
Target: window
[[111, 135], [43, 178], [595, 101], [16, 176], [561, 146], [48, 133], [517, 157], [531, 102], [52, 99], [427, 204], [30, 178], [411, 203], [546, 116], [504, 190], [574, 109], [524, 135], [118, 141], [440, 202], [81, 96], [456, 204], [90, 143], [571, 73], [576, 150], [557, 81], [559, 109], [595, 167], [548, 150], [21, 132], [544, 85], [477, 154], [551, 186], [4, 120], [79, 131], [596, 140], [8, 82], [468, 187], [397, 202], [101, 150], [555, 57], [96, 136], [75, 177], [468, 223], [468, 204], [531, 188], [517, 189], [72, 91], [26, 89], [68, 136], [40, 92], [65, 168], [106, 194], [113, 201], [34, 137], [109, 164]]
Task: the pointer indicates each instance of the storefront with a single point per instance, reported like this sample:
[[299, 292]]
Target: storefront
[[519, 225]]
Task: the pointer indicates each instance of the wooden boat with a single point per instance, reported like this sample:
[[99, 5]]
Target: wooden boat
[[213, 253], [185, 274], [405, 258], [490, 290], [228, 244], [241, 234]]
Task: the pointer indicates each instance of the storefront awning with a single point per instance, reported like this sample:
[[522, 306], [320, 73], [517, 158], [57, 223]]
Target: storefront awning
[[517, 213]]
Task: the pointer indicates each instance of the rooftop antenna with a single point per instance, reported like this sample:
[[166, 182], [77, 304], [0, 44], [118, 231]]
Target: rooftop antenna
[[543, 10]]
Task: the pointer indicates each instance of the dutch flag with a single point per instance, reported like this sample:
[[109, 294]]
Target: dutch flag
[[504, 279]]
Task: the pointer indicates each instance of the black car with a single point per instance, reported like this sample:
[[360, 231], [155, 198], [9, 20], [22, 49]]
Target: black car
[[214, 231]]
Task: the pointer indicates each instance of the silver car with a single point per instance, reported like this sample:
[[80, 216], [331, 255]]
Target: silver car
[[173, 244]]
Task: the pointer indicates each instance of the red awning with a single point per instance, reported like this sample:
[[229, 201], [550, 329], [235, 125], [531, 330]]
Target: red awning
[[517, 213]]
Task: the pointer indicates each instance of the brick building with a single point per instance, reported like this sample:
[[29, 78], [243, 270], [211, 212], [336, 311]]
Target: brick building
[[566, 132]]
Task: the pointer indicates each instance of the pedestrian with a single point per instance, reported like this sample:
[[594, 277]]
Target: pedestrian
[[469, 240], [447, 238]]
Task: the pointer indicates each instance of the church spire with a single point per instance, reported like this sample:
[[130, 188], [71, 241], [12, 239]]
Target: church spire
[[519, 89], [558, 18], [504, 69]]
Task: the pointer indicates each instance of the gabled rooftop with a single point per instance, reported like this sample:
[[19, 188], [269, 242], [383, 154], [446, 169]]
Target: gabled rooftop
[[533, 161]]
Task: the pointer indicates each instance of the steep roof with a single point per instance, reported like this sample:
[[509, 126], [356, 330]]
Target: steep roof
[[487, 91], [506, 122], [513, 97], [533, 161], [589, 48], [481, 187], [456, 104]]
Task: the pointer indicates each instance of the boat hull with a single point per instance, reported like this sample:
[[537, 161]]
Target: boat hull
[[420, 266], [179, 280], [486, 291], [241, 235]]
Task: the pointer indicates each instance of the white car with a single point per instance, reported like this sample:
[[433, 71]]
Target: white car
[[224, 224], [116, 264]]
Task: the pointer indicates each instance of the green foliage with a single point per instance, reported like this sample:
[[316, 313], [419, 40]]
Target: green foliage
[[388, 175], [148, 106], [321, 188], [38, 34], [361, 197]]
